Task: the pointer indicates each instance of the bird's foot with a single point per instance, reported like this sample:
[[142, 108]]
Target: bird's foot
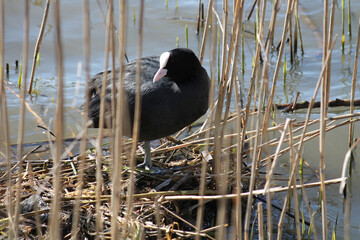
[[145, 166]]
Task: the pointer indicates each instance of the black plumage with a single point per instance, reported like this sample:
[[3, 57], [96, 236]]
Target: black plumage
[[173, 96]]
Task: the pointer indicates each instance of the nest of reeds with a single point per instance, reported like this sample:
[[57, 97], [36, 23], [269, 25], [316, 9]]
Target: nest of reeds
[[177, 172]]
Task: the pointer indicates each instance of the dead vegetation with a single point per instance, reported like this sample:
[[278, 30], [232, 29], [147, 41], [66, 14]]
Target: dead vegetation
[[208, 179]]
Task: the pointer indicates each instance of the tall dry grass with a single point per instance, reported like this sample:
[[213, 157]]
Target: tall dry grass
[[226, 185]]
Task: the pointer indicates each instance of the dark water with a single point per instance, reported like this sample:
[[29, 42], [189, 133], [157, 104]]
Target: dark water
[[162, 26]]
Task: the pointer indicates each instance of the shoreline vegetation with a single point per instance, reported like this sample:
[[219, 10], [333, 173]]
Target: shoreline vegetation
[[216, 179]]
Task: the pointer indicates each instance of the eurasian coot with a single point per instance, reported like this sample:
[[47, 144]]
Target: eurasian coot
[[174, 94]]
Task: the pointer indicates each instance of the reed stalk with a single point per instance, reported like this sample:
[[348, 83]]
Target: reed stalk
[[137, 117], [198, 18], [4, 121], [260, 216], [206, 30], [118, 146], [346, 186], [286, 27], [353, 87], [247, 110], [323, 113], [205, 153], [54, 226], [349, 19], [38, 44], [99, 182], [75, 219], [20, 138], [270, 36], [254, 164], [293, 181], [296, 28]]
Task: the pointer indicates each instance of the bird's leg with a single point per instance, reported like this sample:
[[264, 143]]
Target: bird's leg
[[147, 164]]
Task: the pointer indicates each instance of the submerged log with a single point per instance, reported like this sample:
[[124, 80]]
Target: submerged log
[[289, 107]]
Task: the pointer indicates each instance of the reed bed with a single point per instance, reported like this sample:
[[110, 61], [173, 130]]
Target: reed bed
[[216, 179]]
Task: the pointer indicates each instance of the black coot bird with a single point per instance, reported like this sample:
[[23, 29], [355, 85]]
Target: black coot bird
[[174, 94]]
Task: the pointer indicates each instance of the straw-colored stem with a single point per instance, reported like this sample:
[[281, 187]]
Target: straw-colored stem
[[75, 220], [59, 128], [38, 44], [205, 154], [222, 188], [353, 86], [206, 31], [118, 146], [4, 121], [345, 187], [293, 181], [291, 40], [247, 110], [296, 17], [219, 106], [260, 215], [348, 194], [20, 139], [254, 164], [246, 194], [198, 18], [270, 36], [277, 153], [137, 117], [238, 172], [323, 113]]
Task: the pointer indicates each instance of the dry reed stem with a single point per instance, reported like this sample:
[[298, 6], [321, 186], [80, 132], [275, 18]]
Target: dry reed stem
[[353, 86], [282, 216], [5, 118], [38, 44], [293, 181], [118, 147], [205, 153], [238, 171], [347, 191], [260, 215], [312, 102], [54, 226], [225, 82], [323, 112], [346, 170], [99, 182], [238, 208], [345, 188], [220, 98], [270, 172], [137, 117], [270, 36], [165, 229], [296, 27], [254, 192], [75, 221], [206, 30], [250, 94], [198, 18], [291, 40], [20, 138], [257, 152]]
